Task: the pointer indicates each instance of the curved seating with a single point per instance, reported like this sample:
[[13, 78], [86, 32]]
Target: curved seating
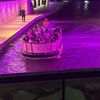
[[42, 49]]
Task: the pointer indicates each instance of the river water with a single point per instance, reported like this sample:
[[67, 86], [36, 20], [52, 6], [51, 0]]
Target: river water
[[81, 44]]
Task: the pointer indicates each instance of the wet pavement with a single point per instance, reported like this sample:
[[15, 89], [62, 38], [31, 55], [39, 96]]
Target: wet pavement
[[81, 47]]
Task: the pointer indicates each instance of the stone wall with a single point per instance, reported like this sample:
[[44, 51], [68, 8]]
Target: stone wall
[[8, 10], [11, 8]]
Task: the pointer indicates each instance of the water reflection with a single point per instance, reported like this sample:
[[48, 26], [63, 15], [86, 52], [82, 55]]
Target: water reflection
[[81, 8], [86, 3]]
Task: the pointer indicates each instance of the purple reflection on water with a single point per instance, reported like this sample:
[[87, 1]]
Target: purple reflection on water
[[81, 50]]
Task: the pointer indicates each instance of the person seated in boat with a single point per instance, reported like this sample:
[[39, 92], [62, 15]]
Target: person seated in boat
[[59, 32], [55, 35], [47, 35], [52, 38], [26, 38], [33, 33], [27, 35], [36, 32], [46, 22]]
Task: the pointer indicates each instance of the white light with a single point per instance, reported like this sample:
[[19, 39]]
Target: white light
[[86, 1]]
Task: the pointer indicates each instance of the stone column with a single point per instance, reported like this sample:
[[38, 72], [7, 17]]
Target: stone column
[[30, 7], [23, 5], [26, 5]]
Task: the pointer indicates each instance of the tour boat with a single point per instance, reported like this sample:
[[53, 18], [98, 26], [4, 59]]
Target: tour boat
[[42, 42]]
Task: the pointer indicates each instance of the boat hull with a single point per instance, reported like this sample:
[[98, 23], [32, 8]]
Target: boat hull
[[42, 49]]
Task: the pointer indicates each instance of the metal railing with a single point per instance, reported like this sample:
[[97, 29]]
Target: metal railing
[[43, 76]]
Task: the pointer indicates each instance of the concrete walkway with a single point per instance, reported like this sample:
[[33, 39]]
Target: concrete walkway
[[9, 29]]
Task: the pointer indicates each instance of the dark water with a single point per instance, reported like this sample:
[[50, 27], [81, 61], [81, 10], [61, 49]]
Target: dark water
[[81, 50], [79, 9], [81, 44]]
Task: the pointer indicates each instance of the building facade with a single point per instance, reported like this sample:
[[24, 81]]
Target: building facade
[[11, 8]]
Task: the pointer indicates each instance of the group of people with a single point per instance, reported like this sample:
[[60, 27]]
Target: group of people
[[42, 34]]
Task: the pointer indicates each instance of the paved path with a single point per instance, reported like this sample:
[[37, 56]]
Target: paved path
[[9, 29]]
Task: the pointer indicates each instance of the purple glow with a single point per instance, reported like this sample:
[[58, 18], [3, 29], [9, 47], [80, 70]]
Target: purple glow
[[81, 50], [8, 11]]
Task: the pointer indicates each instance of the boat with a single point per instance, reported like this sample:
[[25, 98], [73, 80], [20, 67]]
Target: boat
[[42, 42]]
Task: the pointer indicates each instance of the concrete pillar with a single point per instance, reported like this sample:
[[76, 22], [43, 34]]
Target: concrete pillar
[[30, 7], [26, 5], [23, 5]]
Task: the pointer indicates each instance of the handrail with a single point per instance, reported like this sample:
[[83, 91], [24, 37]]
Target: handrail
[[55, 75], [35, 76]]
